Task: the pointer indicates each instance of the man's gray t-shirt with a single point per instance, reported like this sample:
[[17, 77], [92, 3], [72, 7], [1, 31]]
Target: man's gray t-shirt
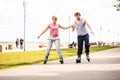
[[80, 28]]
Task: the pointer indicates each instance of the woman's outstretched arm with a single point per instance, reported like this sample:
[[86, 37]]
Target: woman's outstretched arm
[[64, 27], [43, 31]]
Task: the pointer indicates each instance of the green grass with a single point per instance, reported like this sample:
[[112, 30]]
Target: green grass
[[15, 59]]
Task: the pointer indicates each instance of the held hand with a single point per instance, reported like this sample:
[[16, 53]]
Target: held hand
[[70, 27], [73, 28]]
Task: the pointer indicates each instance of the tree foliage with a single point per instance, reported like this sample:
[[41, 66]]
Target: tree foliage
[[117, 5]]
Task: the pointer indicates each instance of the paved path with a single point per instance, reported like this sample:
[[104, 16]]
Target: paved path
[[105, 65]]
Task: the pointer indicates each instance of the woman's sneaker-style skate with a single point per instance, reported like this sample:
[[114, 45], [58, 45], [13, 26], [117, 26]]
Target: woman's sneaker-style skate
[[61, 62], [45, 62]]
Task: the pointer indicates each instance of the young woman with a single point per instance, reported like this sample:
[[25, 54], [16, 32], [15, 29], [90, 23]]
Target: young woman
[[53, 38], [82, 35]]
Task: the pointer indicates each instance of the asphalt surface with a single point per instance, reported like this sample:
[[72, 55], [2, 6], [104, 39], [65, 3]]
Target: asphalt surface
[[104, 65]]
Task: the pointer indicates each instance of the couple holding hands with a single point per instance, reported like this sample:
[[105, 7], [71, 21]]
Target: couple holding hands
[[82, 36]]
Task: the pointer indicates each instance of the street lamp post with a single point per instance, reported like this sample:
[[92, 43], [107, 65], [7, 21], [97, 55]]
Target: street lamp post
[[100, 34], [108, 36], [118, 38], [24, 6], [69, 29], [100, 40]]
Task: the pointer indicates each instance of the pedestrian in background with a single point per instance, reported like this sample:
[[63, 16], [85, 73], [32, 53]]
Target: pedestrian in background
[[17, 43], [21, 43]]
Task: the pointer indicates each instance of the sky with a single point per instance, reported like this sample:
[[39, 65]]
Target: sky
[[98, 13]]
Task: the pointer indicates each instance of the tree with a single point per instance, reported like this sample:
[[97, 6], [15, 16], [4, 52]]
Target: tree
[[117, 5]]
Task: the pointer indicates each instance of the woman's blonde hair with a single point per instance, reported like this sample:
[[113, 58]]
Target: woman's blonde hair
[[54, 17]]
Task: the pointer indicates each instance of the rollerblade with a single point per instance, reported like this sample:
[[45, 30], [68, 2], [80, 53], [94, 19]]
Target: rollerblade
[[88, 58], [78, 60], [45, 62], [61, 59], [61, 62]]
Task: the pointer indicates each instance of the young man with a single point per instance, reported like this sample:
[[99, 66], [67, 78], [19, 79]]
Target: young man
[[53, 38], [82, 36]]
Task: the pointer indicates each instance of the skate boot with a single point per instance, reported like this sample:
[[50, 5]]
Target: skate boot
[[46, 58], [78, 60], [61, 62], [61, 59], [45, 62], [88, 58]]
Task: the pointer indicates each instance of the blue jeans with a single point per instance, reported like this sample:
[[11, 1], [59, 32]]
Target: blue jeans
[[81, 39]]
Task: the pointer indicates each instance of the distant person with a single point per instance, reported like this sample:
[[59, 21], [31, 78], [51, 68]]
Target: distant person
[[17, 42], [53, 38], [6, 48], [21, 43], [82, 35]]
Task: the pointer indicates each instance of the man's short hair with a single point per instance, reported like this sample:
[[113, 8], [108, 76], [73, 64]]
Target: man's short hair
[[77, 14]]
